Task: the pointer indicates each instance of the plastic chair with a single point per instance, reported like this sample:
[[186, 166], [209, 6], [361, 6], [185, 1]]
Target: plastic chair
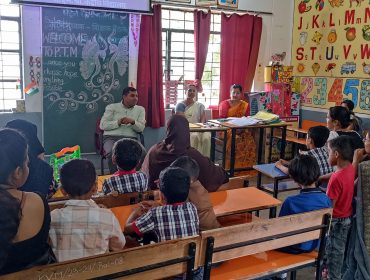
[[99, 145], [63, 156]]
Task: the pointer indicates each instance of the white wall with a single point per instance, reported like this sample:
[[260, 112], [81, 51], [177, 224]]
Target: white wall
[[276, 37]]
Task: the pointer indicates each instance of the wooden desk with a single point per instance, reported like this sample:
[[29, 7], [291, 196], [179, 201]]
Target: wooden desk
[[123, 212], [261, 127], [212, 128], [298, 130], [224, 203], [241, 200]]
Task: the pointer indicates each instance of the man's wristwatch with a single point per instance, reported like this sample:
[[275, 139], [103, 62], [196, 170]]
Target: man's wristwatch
[[133, 122]]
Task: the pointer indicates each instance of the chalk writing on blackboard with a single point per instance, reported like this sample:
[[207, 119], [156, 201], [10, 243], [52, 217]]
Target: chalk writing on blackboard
[[92, 53]]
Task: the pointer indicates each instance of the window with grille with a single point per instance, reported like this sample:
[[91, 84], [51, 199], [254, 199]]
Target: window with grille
[[179, 54], [10, 56]]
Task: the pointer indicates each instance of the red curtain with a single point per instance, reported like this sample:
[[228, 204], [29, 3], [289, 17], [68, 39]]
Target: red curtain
[[149, 71], [202, 29], [240, 41]]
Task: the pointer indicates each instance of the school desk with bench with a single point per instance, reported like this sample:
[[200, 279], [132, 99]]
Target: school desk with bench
[[225, 203], [246, 251], [271, 171]]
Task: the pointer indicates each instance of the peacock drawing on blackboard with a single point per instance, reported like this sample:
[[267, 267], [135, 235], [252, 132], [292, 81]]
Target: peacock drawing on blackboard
[[100, 58]]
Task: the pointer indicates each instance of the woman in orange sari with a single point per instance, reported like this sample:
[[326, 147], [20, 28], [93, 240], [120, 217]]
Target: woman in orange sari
[[245, 146]]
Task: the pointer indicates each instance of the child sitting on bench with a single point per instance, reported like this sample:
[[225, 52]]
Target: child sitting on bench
[[305, 171], [82, 228], [198, 194], [176, 219], [126, 154], [315, 143]]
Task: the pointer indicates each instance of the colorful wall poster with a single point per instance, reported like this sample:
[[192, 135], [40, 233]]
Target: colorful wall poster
[[331, 52]]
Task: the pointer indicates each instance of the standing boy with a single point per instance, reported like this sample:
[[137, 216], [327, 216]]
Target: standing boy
[[127, 156], [81, 229], [340, 191]]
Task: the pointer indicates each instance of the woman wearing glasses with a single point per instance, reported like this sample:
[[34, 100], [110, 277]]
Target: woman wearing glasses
[[194, 112], [245, 154]]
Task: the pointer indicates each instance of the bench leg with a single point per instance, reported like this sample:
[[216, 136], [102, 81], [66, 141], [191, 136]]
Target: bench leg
[[273, 212], [293, 275], [191, 261], [276, 188], [259, 180], [208, 258]]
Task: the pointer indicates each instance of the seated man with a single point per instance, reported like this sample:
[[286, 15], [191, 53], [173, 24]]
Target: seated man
[[122, 120]]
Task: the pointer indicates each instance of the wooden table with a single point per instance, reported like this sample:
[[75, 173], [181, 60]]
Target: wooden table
[[224, 203], [261, 127], [241, 200], [212, 128]]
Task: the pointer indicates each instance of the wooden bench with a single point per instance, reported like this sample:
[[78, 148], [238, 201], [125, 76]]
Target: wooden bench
[[307, 124], [247, 250], [154, 261], [111, 201]]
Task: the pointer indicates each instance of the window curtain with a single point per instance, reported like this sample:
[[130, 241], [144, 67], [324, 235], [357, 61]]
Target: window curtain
[[149, 72], [240, 42], [202, 29]]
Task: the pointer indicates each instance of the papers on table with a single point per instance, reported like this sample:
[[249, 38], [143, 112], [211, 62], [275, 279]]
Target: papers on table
[[260, 118], [243, 121]]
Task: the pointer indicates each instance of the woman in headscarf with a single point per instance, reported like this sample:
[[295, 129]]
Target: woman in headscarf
[[40, 178], [175, 145]]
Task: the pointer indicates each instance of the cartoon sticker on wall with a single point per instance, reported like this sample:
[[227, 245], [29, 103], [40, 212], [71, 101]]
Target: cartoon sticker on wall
[[350, 33], [366, 68], [317, 38], [300, 67], [315, 68], [358, 3], [330, 67], [366, 32], [303, 7], [319, 5], [303, 38], [336, 3], [348, 68], [332, 36]]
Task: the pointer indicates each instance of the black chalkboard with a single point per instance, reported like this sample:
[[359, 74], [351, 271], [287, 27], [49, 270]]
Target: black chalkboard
[[85, 67]]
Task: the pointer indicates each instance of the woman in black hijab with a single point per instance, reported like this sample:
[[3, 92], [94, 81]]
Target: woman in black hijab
[[175, 145], [40, 178]]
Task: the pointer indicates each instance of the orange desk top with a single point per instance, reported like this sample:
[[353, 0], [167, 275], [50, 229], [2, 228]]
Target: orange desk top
[[241, 200], [123, 212], [224, 203]]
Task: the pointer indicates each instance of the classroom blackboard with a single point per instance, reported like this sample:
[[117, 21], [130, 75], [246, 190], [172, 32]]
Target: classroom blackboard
[[85, 67]]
